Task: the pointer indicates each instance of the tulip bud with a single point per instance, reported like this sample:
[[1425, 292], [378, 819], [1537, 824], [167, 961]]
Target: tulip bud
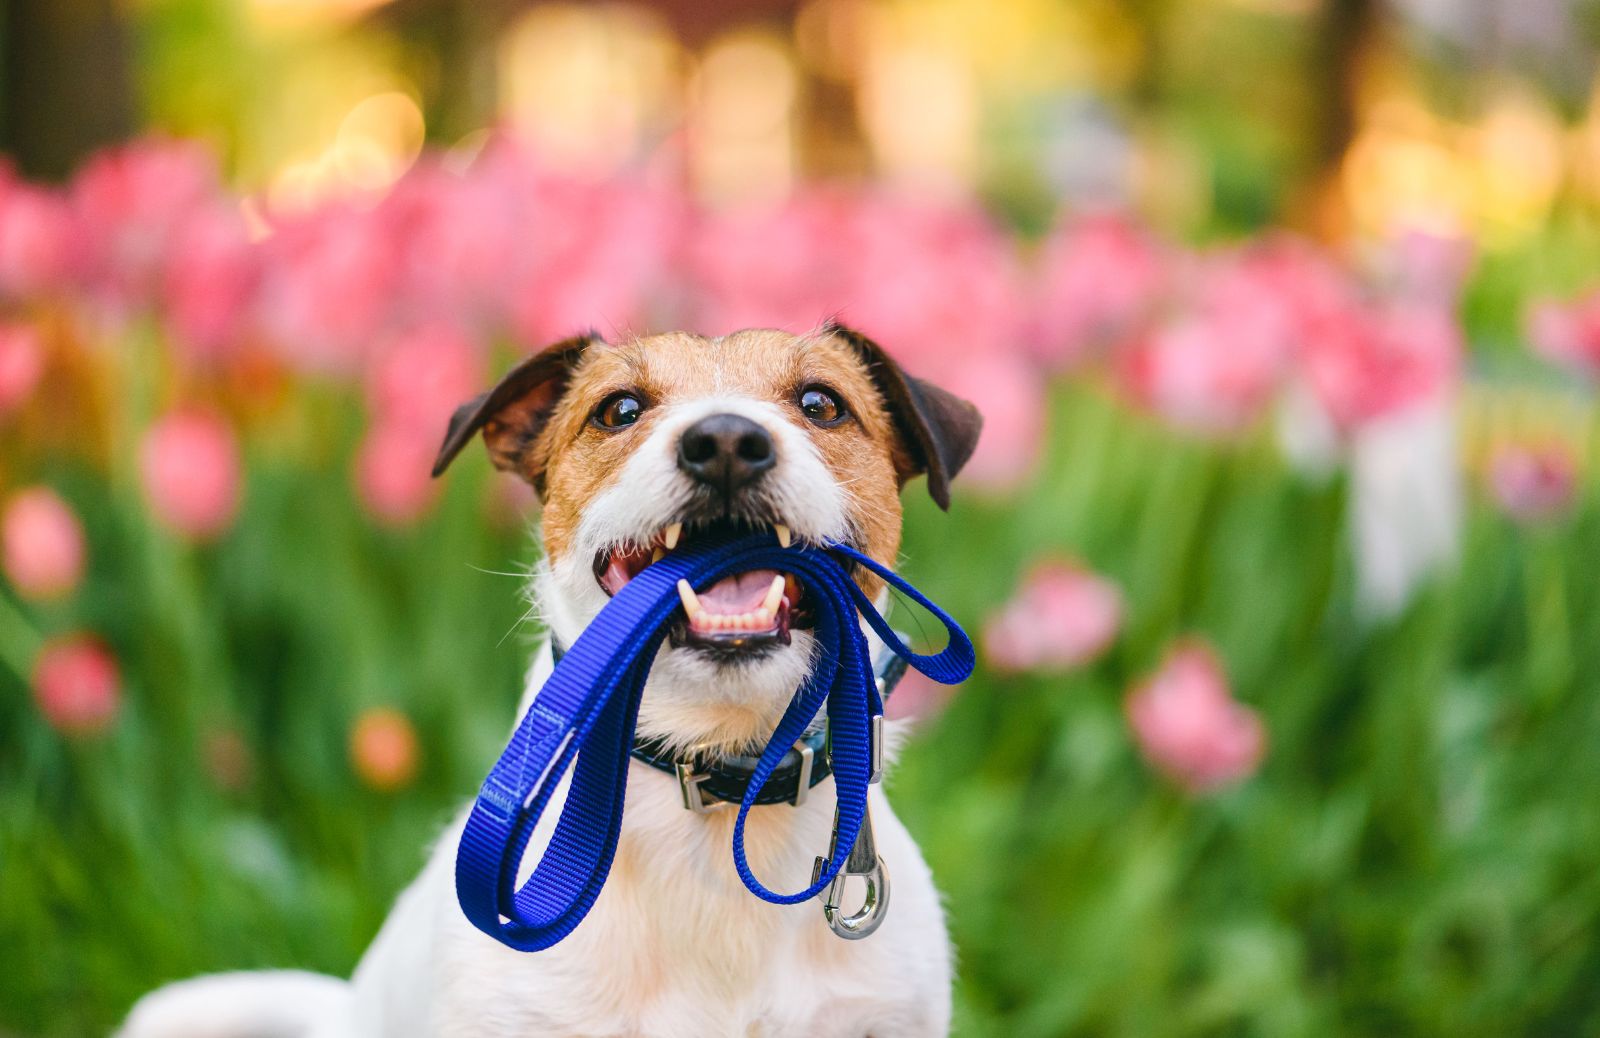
[[1062, 617], [383, 749], [76, 685], [1188, 725], [190, 464], [1533, 483], [394, 473], [41, 542]]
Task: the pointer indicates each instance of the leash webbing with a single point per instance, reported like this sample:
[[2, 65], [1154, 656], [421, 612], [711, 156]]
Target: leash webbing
[[723, 778], [583, 719]]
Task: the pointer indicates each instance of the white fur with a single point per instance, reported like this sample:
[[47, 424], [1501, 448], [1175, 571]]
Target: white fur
[[675, 945]]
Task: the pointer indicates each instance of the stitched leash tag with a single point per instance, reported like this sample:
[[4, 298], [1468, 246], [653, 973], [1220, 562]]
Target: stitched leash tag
[[582, 721]]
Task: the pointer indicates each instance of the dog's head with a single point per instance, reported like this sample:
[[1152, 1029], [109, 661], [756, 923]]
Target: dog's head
[[637, 446]]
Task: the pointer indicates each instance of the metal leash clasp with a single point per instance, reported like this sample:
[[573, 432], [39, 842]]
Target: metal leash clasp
[[863, 861]]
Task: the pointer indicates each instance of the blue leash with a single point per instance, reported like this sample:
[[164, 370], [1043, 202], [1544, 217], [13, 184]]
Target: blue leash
[[583, 719]]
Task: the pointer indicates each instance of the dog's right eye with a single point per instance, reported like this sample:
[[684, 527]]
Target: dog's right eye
[[618, 411]]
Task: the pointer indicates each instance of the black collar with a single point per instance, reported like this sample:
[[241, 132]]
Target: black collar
[[710, 781]]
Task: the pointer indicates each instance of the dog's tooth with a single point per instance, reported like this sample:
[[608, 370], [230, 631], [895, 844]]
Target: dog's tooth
[[783, 534], [761, 619], [691, 602], [655, 556], [669, 536], [774, 595]]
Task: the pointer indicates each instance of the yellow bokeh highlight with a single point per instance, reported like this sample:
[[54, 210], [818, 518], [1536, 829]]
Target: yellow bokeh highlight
[[1497, 177], [375, 143], [919, 108], [589, 86], [741, 119]]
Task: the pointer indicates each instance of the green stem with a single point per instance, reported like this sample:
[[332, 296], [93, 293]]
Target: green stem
[[20, 640], [1549, 654]]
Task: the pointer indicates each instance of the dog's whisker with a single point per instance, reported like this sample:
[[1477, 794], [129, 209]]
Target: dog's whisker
[[531, 614], [524, 575]]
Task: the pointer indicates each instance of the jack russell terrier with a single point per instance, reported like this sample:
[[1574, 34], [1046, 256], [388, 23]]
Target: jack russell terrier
[[633, 448]]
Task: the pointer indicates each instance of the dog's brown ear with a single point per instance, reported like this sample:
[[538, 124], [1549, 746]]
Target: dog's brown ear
[[513, 413], [940, 429]]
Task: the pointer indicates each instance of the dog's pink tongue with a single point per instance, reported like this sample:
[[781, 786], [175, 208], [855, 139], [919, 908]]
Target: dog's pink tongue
[[739, 593]]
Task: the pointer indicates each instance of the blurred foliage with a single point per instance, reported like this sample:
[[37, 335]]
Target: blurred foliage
[[1415, 857], [1408, 861]]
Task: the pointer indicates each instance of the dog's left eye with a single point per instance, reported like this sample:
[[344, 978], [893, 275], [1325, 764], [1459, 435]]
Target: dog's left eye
[[618, 411], [821, 405]]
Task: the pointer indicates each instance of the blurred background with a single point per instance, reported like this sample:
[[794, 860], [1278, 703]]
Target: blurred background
[[1279, 544]]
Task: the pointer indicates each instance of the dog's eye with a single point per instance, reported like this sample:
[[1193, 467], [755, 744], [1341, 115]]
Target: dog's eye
[[618, 411], [821, 405]]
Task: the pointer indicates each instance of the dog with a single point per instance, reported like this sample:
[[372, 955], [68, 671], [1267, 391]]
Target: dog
[[634, 448]]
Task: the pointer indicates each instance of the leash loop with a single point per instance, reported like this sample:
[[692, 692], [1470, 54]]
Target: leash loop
[[582, 720]]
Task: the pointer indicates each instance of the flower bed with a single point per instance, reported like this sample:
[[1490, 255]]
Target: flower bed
[[1288, 678]]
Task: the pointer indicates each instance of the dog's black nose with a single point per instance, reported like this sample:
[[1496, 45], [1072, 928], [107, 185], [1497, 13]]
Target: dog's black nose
[[725, 451]]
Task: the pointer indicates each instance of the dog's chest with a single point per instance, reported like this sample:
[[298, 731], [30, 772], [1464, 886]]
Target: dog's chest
[[790, 1003], [675, 946], [662, 987]]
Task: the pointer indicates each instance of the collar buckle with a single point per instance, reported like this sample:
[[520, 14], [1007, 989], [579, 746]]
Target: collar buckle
[[694, 798], [689, 785]]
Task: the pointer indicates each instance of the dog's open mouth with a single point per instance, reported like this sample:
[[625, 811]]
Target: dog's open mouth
[[742, 613]]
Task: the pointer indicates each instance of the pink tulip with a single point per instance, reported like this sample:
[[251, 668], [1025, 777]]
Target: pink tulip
[[392, 472], [918, 698], [1222, 354], [1426, 267], [1534, 483], [1568, 334], [766, 266], [40, 241], [21, 364], [329, 283], [43, 544], [1099, 277], [418, 379], [76, 685], [1011, 395], [383, 749], [1367, 362], [131, 202], [190, 464], [209, 281], [1062, 617], [1205, 372], [600, 250], [935, 282], [458, 238], [1188, 725]]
